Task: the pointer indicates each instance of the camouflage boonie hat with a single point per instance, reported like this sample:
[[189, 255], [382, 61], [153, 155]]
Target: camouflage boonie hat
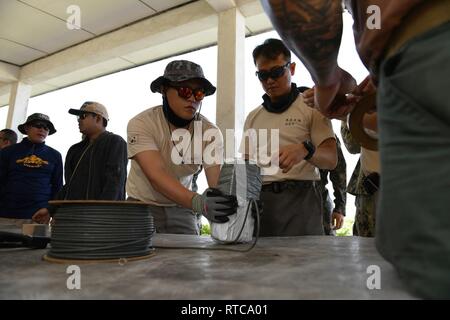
[[182, 70], [37, 117]]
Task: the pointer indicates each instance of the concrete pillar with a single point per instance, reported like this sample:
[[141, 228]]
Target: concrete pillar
[[230, 109], [18, 105]]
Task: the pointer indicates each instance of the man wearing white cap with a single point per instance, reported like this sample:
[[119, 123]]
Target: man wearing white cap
[[96, 167]]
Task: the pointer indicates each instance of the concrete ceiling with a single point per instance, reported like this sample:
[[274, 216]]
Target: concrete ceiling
[[37, 46]]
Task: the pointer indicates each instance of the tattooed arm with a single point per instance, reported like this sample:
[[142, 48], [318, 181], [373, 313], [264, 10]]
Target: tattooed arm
[[312, 29]]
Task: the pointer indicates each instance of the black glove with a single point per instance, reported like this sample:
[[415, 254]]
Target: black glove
[[215, 205]]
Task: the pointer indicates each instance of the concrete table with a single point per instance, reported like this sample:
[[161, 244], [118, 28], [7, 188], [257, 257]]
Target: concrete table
[[311, 267]]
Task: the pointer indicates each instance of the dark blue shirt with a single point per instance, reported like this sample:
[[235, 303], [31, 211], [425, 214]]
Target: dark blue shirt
[[30, 175]]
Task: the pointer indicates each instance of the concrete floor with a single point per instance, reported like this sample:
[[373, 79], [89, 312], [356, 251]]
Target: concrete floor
[[310, 267]]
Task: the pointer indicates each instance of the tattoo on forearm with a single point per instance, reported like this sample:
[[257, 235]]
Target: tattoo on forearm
[[312, 29]]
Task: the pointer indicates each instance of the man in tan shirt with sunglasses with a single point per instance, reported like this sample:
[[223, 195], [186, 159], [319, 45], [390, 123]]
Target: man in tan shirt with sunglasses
[[290, 196]]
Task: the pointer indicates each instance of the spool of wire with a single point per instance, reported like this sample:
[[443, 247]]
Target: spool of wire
[[101, 230]]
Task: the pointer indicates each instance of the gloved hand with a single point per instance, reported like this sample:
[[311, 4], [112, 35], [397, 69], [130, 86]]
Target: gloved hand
[[215, 205]]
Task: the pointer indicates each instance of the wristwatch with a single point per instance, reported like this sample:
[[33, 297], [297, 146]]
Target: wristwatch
[[311, 149]]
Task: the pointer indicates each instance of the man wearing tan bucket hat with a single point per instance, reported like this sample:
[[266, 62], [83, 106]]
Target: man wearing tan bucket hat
[[96, 167]]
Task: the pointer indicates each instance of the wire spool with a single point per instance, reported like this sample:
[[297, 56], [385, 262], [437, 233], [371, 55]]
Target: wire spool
[[356, 123], [111, 231]]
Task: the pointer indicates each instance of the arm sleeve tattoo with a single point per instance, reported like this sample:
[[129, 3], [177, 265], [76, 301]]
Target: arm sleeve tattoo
[[312, 29]]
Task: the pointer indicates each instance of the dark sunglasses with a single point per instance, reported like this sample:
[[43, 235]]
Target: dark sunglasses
[[85, 114], [187, 92], [40, 125], [274, 73]]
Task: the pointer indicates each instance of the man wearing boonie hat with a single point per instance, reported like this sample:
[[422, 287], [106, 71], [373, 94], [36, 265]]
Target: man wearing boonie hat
[[161, 171], [30, 172], [96, 167]]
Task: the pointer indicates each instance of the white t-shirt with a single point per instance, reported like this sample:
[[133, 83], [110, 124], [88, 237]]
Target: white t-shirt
[[297, 124], [149, 130]]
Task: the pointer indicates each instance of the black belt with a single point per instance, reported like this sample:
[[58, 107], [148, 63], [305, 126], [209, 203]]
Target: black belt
[[280, 186]]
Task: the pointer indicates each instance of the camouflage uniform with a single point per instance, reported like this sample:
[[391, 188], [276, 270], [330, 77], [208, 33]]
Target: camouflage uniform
[[365, 203], [338, 178]]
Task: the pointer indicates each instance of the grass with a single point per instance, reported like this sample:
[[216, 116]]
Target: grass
[[206, 230], [347, 228]]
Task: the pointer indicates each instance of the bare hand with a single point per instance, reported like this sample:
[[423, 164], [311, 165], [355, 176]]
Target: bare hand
[[41, 216], [342, 105], [331, 100], [308, 97], [366, 87], [290, 155], [337, 220], [339, 103]]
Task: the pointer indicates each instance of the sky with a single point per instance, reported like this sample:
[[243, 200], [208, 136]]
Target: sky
[[127, 93]]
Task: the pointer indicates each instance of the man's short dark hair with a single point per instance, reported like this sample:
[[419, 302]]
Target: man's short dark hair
[[271, 49], [9, 135]]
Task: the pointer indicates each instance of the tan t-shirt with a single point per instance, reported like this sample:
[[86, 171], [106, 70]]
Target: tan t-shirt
[[149, 130], [297, 124]]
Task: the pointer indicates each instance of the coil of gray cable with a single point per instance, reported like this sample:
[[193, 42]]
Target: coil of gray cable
[[105, 230]]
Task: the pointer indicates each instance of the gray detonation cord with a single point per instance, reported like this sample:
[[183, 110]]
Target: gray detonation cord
[[252, 202], [101, 232]]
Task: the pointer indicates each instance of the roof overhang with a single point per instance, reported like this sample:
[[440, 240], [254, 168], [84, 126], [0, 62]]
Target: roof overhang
[[184, 28]]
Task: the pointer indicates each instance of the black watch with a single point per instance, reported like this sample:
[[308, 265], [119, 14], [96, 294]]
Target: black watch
[[311, 149]]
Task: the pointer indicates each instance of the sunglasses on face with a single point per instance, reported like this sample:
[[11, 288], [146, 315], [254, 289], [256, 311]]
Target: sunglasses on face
[[187, 92], [84, 115], [274, 73], [40, 125]]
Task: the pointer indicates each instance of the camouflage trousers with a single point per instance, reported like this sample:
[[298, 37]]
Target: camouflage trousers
[[365, 217]]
